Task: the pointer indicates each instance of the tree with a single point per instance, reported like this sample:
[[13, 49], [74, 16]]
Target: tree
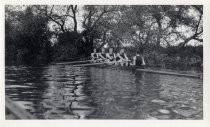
[[93, 19], [60, 15], [27, 36], [197, 27], [145, 28]]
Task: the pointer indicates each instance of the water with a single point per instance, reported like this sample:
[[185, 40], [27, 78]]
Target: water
[[65, 92]]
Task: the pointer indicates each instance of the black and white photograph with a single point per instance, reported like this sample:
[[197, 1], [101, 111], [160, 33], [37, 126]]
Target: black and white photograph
[[103, 62]]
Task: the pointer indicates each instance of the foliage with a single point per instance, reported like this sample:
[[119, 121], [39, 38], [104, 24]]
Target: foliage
[[162, 33], [66, 48], [27, 38], [175, 57]]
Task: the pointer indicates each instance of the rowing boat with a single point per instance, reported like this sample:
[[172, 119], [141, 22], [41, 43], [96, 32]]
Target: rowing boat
[[162, 72], [108, 66], [146, 70], [135, 68]]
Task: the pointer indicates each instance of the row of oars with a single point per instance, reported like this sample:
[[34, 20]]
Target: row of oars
[[85, 62], [73, 62]]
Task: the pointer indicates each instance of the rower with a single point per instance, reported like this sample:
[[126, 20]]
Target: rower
[[94, 56], [122, 57], [110, 55], [102, 55], [138, 60]]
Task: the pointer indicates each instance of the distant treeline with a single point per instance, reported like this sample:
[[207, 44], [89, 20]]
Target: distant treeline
[[153, 30], [172, 57]]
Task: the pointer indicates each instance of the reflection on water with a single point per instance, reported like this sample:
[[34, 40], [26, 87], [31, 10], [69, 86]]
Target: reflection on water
[[65, 92]]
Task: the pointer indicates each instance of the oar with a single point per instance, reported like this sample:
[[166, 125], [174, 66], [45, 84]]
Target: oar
[[100, 63], [74, 62]]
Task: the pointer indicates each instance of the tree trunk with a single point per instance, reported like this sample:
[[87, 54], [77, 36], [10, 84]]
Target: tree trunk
[[159, 32], [74, 17], [75, 25]]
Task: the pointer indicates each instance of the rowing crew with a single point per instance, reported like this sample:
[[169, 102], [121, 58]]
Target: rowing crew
[[119, 58]]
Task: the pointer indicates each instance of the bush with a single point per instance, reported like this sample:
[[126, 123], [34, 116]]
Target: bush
[[174, 57]]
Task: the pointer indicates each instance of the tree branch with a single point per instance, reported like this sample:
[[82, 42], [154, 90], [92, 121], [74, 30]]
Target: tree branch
[[197, 26], [201, 40]]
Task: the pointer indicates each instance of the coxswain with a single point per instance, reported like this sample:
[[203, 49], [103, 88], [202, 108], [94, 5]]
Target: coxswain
[[138, 60], [102, 55], [110, 55], [94, 55], [122, 58]]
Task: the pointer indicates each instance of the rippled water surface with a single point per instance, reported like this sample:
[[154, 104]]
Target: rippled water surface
[[65, 92]]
